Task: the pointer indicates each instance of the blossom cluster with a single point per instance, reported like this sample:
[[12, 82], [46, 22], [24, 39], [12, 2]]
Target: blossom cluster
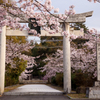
[[15, 50], [21, 10]]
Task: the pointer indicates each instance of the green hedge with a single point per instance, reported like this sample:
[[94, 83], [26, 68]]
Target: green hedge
[[12, 73], [57, 80], [78, 79]]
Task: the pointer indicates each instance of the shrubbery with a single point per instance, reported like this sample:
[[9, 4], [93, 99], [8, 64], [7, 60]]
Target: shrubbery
[[12, 74], [57, 80], [78, 79], [82, 79]]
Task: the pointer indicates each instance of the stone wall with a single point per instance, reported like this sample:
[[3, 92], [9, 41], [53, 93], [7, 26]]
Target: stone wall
[[33, 81], [93, 92]]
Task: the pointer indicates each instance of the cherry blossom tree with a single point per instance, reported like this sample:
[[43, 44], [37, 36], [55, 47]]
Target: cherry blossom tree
[[83, 56], [14, 50], [27, 73], [54, 64]]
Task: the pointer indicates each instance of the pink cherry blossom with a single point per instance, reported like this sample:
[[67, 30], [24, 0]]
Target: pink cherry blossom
[[56, 10]]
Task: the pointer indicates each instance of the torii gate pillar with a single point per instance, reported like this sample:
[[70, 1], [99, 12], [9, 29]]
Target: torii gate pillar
[[66, 60], [2, 59]]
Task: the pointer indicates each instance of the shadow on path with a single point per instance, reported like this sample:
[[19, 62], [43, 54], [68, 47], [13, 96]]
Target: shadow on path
[[33, 97]]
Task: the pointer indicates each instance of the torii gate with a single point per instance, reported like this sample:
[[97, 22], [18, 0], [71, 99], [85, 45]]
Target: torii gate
[[66, 49]]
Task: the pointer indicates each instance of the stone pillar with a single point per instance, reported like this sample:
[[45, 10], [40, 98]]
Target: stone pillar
[[66, 61], [98, 61], [2, 58]]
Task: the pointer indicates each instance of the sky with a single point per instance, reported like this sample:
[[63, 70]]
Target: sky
[[81, 6]]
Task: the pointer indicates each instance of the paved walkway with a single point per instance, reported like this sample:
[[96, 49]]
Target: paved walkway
[[36, 92], [35, 89], [24, 97]]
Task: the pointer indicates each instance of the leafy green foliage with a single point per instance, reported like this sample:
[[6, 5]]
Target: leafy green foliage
[[17, 39], [57, 80], [78, 26], [82, 79], [79, 42], [12, 74], [37, 70], [53, 80]]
